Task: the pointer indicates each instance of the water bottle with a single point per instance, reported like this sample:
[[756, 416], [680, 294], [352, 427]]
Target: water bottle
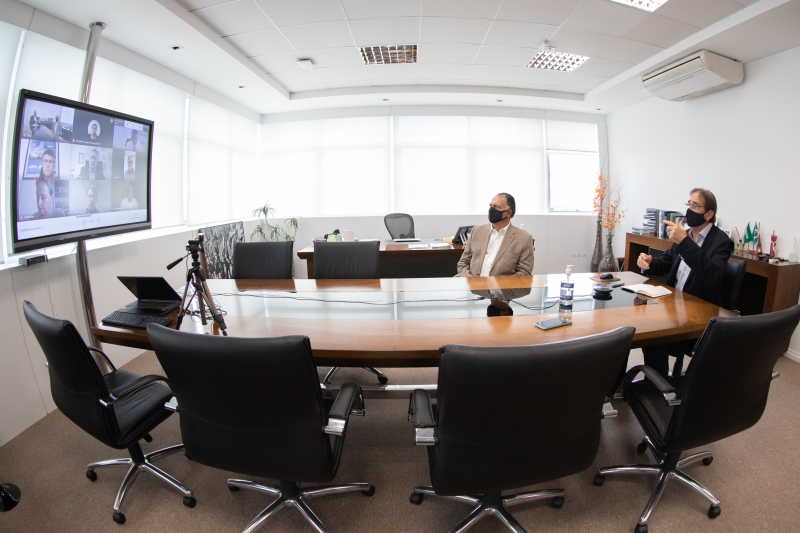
[[567, 290]]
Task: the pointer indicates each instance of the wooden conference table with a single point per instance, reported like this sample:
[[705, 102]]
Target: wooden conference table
[[403, 260], [403, 322]]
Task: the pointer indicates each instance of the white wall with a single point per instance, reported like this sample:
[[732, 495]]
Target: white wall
[[742, 143]]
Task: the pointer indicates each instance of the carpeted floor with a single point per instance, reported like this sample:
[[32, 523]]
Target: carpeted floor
[[755, 474]]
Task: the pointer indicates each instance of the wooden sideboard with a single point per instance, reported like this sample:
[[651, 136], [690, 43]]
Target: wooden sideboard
[[765, 287]]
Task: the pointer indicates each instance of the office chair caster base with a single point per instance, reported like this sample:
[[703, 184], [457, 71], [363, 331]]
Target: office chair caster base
[[189, 502], [233, 488], [714, 512], [119, 518], [708, 460], [599, 479], [642, 447], [9, 496], [370, 492], [416, 498], [640, 528], [148, 438], [92, 475], [383, 379], [557, 503]]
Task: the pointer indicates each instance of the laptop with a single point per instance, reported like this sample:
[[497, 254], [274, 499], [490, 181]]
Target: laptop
[[154, 296]]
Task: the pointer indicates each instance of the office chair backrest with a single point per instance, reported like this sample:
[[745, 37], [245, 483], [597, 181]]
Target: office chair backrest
[[347, 260], [732, 282], [514, 416], [399, 225], [725, 387], [248, 405], [262, 260], [75, 381]]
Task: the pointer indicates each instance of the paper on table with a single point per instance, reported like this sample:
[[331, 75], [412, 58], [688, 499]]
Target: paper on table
[[653, 291], [421, 246], [440, 245]]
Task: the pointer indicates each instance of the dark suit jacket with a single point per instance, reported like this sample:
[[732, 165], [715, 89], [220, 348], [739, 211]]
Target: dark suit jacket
[[708, 263], [98, 172]]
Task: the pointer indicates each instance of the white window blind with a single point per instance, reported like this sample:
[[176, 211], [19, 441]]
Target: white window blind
[[225, 181], [572, 165], [326, 167]]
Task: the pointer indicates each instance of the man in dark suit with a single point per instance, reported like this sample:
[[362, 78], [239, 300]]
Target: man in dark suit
[[93, 169], [696, 264]]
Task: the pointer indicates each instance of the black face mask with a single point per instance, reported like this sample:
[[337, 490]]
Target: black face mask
[[495, 216], [694, 219]]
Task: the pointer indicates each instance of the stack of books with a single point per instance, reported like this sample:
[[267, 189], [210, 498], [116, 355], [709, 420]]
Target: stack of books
[[653, 223]]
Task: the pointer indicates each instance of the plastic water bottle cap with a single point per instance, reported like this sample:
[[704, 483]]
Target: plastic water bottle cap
[[569, 269]]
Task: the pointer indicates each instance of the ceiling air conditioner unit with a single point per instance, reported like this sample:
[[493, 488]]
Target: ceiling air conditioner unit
[[696, 75]]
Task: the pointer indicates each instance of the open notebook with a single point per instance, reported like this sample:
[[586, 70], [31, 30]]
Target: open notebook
[[652, 291]]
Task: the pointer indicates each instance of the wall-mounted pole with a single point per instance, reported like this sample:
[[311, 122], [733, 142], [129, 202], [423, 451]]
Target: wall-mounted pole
[[96, 28]]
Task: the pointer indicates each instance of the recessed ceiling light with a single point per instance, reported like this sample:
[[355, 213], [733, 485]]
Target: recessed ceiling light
[[499, 101], [241, 86], [549, 59], [645, 5], [384, 55], [385, 99], [176, 47], [304, 63]]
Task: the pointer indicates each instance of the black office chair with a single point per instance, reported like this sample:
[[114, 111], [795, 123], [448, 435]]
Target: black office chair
[[255, 406], [348, 260], [729, 288], [723, 392], [262, 260], [509, 417], [118, 409], [399, 225]]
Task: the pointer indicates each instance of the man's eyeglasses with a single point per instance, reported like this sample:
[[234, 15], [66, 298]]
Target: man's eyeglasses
[[694, 206]]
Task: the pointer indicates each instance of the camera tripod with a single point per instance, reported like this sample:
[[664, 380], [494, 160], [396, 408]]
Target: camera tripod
[[196, 277]]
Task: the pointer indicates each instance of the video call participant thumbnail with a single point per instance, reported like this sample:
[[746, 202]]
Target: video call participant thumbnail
[[45, 201], [91, 200], [48, 165], [130, 167], [93, 169], [129, 203]]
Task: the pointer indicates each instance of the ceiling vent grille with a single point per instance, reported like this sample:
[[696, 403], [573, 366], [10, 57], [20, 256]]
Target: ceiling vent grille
[[549, 59], [385, 55], [645, 5]]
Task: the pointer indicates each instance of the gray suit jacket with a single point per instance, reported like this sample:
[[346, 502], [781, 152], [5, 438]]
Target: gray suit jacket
[[515, 257]]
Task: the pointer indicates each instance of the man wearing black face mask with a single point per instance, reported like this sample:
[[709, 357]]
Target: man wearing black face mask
[[696, 264], [498, 248]]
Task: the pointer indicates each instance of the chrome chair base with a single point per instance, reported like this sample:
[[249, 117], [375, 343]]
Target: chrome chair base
[[668, 467], [493, 503], [290, 494], [137, 463], [332, 372]]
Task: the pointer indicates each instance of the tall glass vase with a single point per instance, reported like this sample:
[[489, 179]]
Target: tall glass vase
[[609, 262], [597, 256]]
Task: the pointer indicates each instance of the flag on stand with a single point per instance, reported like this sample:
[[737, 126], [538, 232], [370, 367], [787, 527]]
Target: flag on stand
[[748, 235], [756, 238]]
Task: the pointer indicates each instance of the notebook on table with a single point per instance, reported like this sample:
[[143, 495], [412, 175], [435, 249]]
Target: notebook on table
[[651, 291]]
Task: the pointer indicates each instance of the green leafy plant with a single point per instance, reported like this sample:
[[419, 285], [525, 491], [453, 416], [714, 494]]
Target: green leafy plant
[[273, 232]]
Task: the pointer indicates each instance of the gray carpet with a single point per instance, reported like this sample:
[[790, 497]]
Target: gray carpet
[[755, 474]]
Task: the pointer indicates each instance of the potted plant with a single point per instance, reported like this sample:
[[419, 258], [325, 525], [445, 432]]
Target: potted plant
[[273, 232], [610, 215]]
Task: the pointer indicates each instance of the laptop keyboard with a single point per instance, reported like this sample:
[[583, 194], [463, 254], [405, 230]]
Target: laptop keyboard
[[160, 306], [135, 321]]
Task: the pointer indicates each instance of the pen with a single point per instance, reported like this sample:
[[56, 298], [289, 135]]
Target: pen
[[615, 285]]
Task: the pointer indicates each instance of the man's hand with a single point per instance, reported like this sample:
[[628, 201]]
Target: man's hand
[[644, 261], [675, 232]]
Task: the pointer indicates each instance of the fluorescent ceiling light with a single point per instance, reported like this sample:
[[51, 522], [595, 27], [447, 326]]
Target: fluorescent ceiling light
[[548, 58], [384, 55], [646, 5]]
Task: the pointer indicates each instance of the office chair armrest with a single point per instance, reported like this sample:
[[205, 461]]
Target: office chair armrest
[[655, 378], [137, 385], [101, 352], [349, 401], [421, 412]]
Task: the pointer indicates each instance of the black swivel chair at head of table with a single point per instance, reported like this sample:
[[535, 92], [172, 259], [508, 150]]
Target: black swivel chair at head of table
[[254, 405], [399, 225], [509, 417], [723, 392], [348, 260], [118, 409], [262, 260]]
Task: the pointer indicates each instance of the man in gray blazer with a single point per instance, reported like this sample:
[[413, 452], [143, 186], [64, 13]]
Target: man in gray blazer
[[498, 248]]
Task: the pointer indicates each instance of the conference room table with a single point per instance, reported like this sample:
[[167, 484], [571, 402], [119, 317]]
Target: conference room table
[[402, 322]]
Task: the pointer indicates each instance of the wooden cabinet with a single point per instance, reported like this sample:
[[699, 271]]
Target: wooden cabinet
[[765, 287]]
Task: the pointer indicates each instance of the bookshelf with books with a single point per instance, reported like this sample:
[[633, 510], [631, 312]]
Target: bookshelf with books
[[765, 288]]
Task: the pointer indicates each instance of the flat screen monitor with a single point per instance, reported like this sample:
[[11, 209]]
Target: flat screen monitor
[[79, 172]]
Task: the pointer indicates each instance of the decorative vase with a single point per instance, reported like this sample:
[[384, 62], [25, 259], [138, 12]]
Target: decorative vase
[[597, 256], [609, 262]]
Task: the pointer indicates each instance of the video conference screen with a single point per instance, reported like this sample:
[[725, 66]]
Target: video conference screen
[[80, 172]]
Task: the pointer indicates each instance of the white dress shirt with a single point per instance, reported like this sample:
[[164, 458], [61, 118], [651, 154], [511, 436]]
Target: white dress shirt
[[495, 240], [684, 270]]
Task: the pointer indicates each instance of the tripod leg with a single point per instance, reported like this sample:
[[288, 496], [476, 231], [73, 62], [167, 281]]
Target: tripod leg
[[183, 306], [206, 294]]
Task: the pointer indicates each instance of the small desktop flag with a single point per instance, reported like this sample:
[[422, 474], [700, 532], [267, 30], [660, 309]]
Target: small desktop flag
[[756, 237], [748, 235]]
